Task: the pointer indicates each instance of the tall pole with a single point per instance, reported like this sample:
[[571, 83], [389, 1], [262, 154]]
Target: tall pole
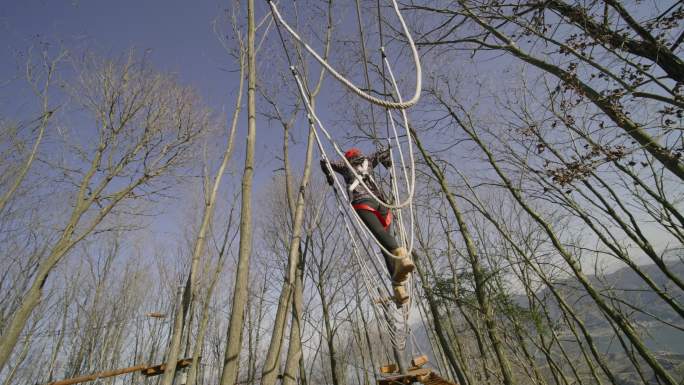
[[232, 355]]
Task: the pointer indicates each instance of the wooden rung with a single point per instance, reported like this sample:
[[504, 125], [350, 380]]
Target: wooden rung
[[419, 361], [389, 368], [412, 376]]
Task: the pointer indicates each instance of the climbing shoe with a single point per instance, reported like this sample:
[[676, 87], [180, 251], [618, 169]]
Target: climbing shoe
[[400, 294], [402, 267]]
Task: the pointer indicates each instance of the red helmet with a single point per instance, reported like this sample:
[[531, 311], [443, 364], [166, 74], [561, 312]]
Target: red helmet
[[352, 153]]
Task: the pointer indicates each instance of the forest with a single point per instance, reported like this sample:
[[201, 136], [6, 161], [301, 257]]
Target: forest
[[532, 166]]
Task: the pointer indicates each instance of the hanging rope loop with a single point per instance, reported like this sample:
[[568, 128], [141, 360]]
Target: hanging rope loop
[[393, 320], [347, 82]]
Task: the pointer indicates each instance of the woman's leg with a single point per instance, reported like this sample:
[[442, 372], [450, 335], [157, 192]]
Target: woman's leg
[[381, 234], [399, 268]]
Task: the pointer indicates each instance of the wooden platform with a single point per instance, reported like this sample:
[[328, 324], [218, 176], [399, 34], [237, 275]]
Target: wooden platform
[[416, 373], [423, 376], [434, 379], [409, 378]]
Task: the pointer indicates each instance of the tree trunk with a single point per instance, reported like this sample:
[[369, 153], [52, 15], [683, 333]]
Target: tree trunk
[[200, 242], [234, 342], [294, 352], [439, 329]]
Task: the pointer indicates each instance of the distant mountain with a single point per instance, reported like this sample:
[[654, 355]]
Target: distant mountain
[[626, 290]]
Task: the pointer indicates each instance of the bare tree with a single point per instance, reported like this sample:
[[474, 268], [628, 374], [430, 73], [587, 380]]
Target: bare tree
[[191, 289], [40, 77], [292, 289], [146, 126]]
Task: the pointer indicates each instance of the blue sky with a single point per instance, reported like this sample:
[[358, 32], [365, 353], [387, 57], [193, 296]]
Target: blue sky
[[177, 37], [178, 33]]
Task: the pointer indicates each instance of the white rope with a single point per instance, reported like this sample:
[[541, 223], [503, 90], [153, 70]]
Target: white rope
[[313, 117], [396, 331], [394, 323], [410, 284], [411, 184], [348, 83], [375, 291], [399, 329]]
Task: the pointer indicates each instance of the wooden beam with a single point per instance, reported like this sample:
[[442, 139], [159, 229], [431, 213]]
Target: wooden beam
[[155, 314], [146, 370], [419, 361], [95, 376]]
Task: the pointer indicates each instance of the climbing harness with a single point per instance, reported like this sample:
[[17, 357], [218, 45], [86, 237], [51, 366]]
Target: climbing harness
[[362, 172], [385, 219]]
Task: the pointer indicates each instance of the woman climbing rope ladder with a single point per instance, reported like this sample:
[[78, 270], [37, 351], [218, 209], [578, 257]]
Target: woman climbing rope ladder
[[375, 216]]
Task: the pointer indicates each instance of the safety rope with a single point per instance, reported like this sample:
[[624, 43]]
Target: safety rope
[[397, 339], [411, 184], [409, 179], [348, 83], [394, 323], [366, 73], [397, 329], [314, 119]]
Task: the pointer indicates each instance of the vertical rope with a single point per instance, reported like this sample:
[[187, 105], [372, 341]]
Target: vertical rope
[[399, 330], [365, 67]]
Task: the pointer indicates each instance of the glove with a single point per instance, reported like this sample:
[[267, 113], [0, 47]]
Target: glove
[[386, 159], [329, 178]]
